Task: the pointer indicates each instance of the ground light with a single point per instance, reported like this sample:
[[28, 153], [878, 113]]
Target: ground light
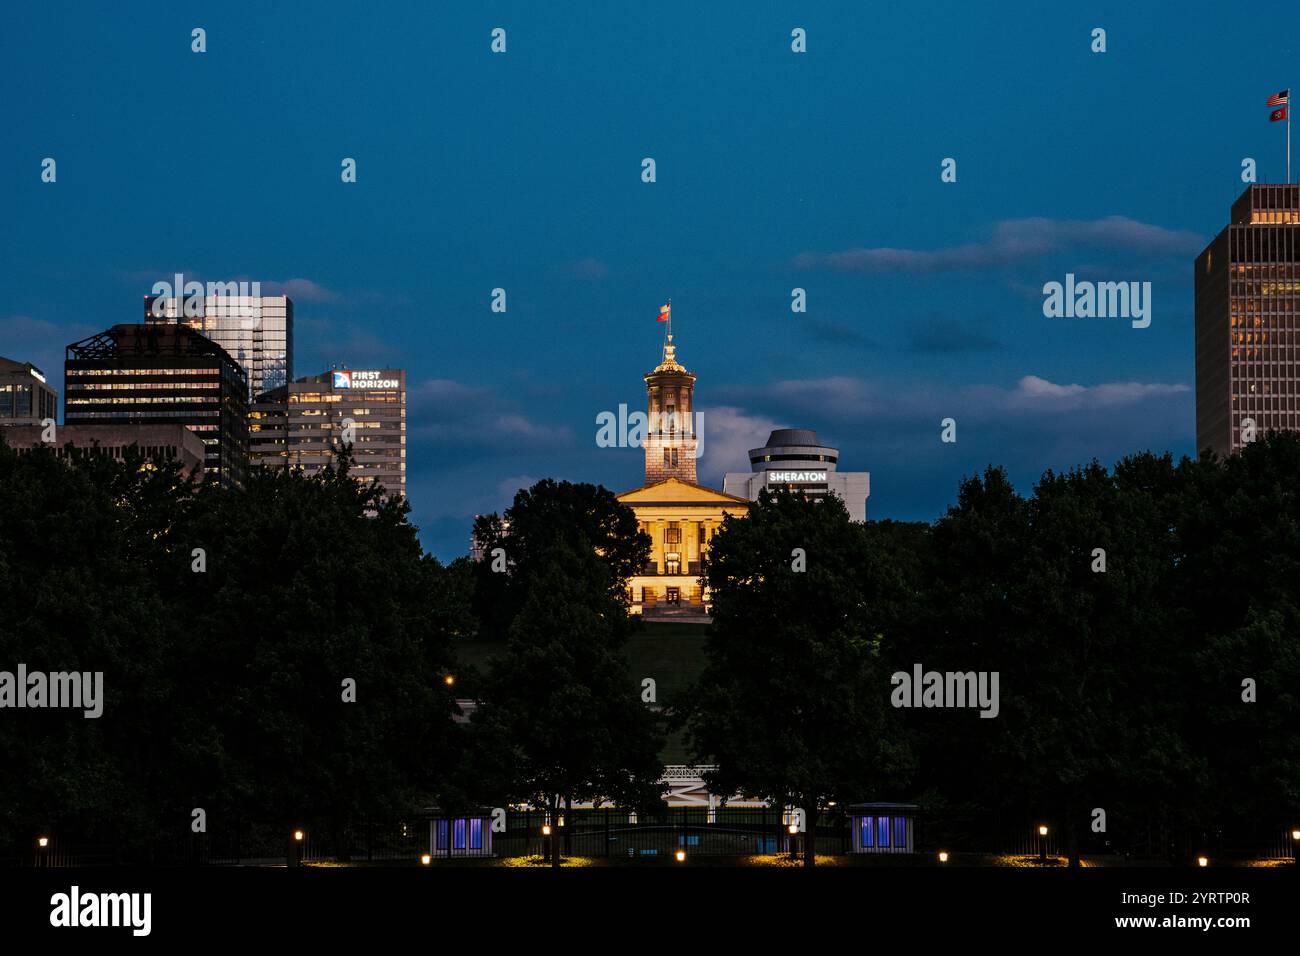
[[1202, 861], [943, 856], [681, 856]]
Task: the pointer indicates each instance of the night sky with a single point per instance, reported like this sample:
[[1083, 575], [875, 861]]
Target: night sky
[[775, 170]]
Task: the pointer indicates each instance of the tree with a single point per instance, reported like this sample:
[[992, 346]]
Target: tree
[[559, 700], [793, 701]]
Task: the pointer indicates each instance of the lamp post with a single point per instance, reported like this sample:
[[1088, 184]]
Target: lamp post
[[42, 846], [1042, 843], [1295, 847]]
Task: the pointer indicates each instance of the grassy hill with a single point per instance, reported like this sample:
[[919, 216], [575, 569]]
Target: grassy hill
[[671, 654]]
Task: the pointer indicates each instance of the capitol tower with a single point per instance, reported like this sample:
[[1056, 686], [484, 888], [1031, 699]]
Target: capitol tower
[[671, 440]]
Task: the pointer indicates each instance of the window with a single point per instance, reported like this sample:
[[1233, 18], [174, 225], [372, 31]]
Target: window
[[882, 831], [672, 535], [476, 834], [868, 831], [458, 835], [673, 562], [674, 457], [442, 834], [900, 831]]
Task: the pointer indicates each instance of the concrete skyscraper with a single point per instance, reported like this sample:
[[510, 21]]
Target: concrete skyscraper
[[1248, 322]]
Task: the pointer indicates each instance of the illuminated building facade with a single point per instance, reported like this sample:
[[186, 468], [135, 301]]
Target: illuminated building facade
[[162, 374], [795, 460], [255, 330], [670, 445], [303, 423], [25, 398], [1248, 322], [679, 515]]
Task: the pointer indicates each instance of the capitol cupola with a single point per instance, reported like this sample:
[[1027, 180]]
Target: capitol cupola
[[670, 444]]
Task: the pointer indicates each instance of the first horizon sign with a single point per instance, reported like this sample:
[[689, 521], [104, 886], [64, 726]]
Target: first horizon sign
[[364, 379]]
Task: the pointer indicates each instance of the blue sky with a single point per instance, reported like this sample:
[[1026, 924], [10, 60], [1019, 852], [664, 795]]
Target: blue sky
[[775, 170]]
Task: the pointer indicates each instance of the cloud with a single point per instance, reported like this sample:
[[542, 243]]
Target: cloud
[[940, 335], [837, 334], [452, 415], [1011, 241], [1033, 393], [728, 434], [591, 269], [300, 290]]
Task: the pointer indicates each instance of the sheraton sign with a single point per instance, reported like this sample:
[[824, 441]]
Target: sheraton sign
[[794, 477]]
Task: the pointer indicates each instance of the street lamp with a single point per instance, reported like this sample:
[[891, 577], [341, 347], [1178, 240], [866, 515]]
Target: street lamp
[[449, 679], [943, 856], [1202, 861], [297, 836], [426, 858], [1042, 843], [546, 829], [42, 842], [681, 856]]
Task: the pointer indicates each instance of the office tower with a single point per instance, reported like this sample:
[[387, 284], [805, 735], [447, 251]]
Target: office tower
[[25, 398], [301, 424], [795, 460], [670, 444], [255, 330], [163, 374], [1248, 321]]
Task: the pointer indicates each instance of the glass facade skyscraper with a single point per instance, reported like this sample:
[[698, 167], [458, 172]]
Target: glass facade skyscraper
[[1248, 322], [255, 330]]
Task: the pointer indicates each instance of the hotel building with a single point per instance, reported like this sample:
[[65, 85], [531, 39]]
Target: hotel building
[[25, 398], [255, 330], [301, 424], [162, 374], [679, 515], [795, 460], [1248, 321]]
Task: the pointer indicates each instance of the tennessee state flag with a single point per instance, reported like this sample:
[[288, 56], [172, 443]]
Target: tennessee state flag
[[1279, 99], [1277, 115], [664, 312]]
